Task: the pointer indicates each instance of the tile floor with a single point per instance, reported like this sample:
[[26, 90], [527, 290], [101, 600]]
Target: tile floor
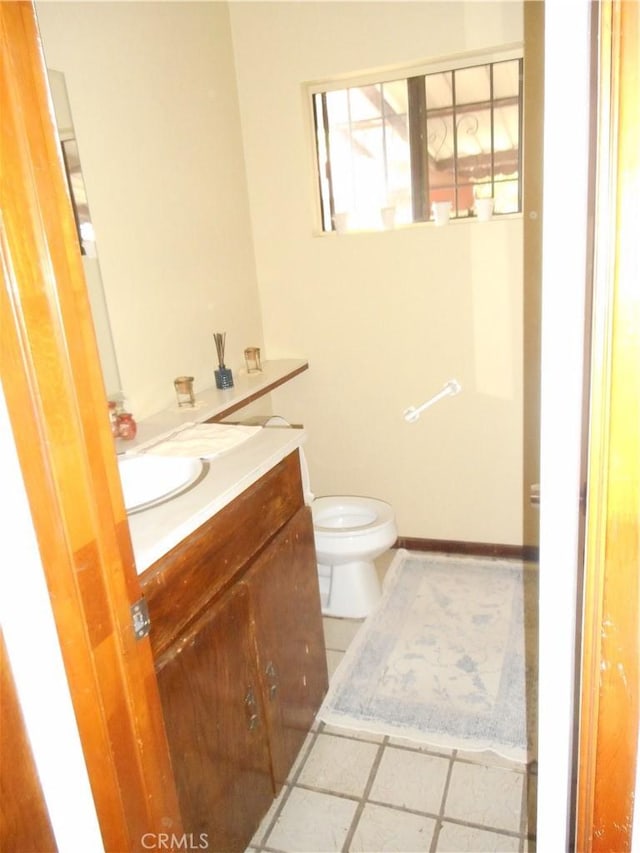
[[357, 792]]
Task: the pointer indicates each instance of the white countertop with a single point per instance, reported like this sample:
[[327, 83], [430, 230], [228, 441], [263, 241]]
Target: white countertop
[[156, 531]]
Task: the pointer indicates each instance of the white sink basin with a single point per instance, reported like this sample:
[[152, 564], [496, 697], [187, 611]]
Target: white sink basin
[[150, 480]]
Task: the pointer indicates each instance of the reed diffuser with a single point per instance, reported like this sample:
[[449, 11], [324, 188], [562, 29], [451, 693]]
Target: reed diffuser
[[224, 377]]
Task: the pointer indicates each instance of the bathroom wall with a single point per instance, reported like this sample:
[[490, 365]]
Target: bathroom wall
[[152, 92], [384, 318], [186, 249]]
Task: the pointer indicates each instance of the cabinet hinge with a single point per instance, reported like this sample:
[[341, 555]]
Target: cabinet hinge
[[140, 618]]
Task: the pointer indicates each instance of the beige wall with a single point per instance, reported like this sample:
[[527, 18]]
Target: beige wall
[[152, 92], [384, 318]]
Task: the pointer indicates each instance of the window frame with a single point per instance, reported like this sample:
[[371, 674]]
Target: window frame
[[415, 76]]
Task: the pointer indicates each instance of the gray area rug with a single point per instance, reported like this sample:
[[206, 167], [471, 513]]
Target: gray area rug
[[449, 657]]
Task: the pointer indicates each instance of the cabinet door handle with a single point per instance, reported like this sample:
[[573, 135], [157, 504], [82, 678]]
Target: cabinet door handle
[[272, 680], [251, 710]]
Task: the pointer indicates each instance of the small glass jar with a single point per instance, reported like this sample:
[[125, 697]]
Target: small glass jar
[[127, 427], [184, 390], [252, 359]]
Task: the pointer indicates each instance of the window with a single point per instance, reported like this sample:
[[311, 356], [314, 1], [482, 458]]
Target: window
[[395, 147]]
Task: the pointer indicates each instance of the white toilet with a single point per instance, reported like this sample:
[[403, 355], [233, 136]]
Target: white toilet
[[350, 532]]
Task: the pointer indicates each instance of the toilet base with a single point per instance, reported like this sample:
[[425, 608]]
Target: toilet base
[[349, 590]]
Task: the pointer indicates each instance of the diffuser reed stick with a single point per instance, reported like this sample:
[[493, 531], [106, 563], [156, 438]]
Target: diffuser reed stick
[[219, 338]]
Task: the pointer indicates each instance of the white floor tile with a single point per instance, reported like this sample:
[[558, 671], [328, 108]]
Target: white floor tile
[[333, 660], [454, 838], [338, 764], [339, 633], [300, 757], [311, 822], [491, 796], [383, 562], [420, 747], [410, 779], [352, 733], [490, 759], [529, 825], [383, 830], [261, 831]]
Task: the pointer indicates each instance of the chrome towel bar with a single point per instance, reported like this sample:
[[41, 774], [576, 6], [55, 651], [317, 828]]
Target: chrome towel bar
[[451, 388]]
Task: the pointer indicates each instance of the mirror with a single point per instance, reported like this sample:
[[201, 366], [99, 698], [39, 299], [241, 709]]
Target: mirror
[[86, 236]]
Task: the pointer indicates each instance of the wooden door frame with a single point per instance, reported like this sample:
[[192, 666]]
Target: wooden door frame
[[56, 402], [57, 407], [608, 721]]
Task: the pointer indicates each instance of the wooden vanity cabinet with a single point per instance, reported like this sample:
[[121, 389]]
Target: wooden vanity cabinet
[[217, 736], [236, 631]]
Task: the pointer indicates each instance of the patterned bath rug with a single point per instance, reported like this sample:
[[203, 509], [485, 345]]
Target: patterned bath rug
[[448, 658]]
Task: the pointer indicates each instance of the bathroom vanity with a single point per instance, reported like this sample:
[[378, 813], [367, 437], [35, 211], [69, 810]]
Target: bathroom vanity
[[236, 633]]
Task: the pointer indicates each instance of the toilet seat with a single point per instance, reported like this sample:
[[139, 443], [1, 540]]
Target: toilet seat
[[349, 516]]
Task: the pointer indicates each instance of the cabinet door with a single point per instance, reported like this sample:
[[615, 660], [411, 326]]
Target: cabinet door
[[287, 619], [215, 725]]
